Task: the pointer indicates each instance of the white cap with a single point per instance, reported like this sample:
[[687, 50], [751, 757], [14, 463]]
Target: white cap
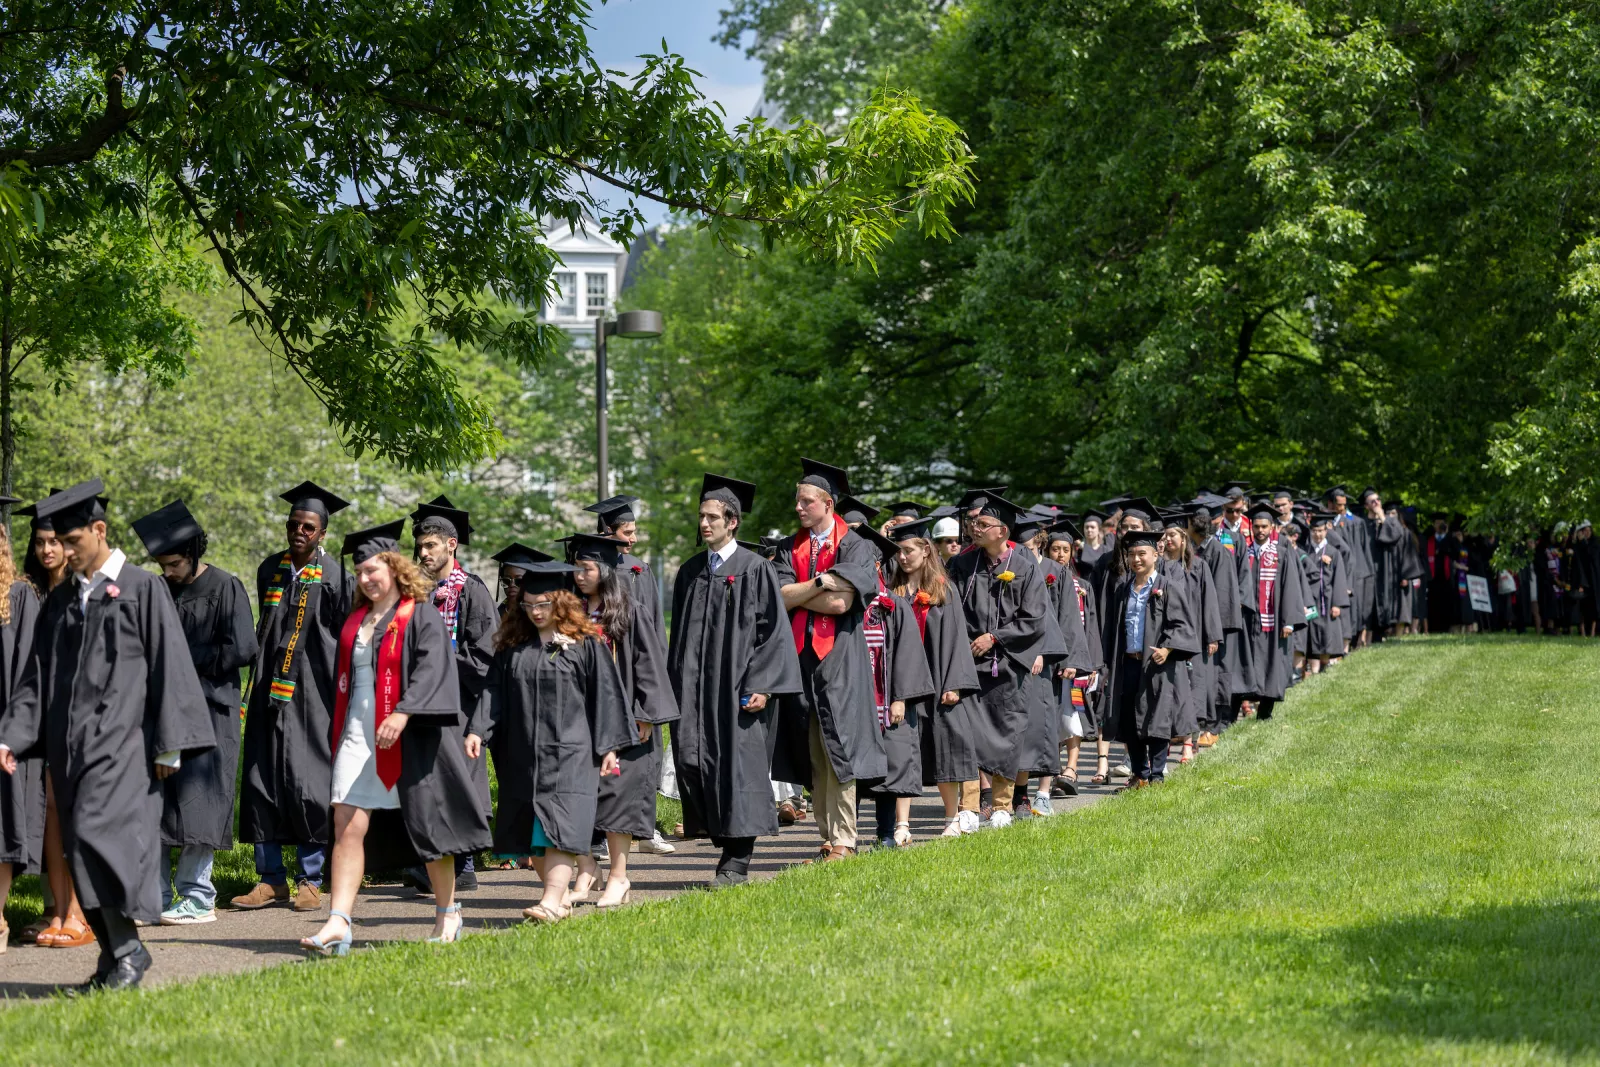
[[946, 528]]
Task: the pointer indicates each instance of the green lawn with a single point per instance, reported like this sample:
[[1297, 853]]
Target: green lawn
[[1400, 868]]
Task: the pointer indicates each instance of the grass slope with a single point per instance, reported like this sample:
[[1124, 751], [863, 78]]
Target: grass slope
[[1399, 869]]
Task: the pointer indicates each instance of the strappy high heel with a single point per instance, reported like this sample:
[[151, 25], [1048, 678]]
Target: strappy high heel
[[626, 898], [449, 937], [332, 948], [902, 834]]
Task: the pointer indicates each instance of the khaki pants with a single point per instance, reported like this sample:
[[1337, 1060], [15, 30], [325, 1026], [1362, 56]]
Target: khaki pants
[[1004, 791], [832, 801]]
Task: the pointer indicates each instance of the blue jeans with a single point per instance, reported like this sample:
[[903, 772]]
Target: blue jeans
[[269, 864], [191, 865]]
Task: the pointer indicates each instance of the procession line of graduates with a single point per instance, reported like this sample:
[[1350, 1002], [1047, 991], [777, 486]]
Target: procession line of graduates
[[964, 647]]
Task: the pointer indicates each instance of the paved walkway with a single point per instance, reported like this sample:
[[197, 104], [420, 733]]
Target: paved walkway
[[243, 941]]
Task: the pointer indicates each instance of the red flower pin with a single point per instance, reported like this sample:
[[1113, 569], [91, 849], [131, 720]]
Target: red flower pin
[[922, 599], [1050, 579], [729, 579], [637, 569], [112, 591], [885, 603]]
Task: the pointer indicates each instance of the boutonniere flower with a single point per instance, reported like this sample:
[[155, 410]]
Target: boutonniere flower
[[1007, 576], [729, 579], [637, 569], [1050, 579], [112, 590], [562, 641], [884, 602], [922, 599], [1156, 591]]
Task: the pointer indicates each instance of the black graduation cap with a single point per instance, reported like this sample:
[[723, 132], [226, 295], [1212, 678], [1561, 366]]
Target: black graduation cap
[[907, 509], [1263, 510], [519, 555], [1302, 533], [770, 545], [751, 546], [1135, 538], [1307, 504], [741, 496], [601, 549], [1178, 517], [1337, 490], [975, 498], [31, 512], [4, 500], [1116, 503], [1234, 490], [1001, 508], [915, 528], [1322, 518], [944, 511], [309, 496], [1063, 529], [1284, 492], [886, 548], [1370, 491], [364, 544], [69, 509], [853, 510], [1138, 506], [166, 531], [544, 576], [439, 508], [830, 479], [1096, 514], [614, 511]]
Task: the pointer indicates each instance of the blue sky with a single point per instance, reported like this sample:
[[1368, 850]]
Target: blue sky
[[626, 29]]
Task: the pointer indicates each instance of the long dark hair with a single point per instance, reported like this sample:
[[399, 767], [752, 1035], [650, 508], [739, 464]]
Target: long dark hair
[[32, 569], [616, 609]]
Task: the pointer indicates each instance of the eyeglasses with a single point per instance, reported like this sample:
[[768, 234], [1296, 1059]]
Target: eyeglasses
[[985, 527]]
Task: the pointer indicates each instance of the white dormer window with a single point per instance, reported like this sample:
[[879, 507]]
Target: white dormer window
[[597, 297], [566, 305]]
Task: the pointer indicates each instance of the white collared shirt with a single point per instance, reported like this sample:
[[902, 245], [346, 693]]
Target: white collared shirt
[[719, 557], [109, 571]]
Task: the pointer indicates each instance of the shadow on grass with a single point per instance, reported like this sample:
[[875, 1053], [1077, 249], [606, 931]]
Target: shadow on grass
[[1514, 974]]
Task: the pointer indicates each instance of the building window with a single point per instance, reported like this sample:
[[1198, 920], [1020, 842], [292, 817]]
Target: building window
[[597, 295], [566, 302]]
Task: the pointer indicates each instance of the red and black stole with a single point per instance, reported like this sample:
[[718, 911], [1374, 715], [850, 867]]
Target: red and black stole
[[391, 646]]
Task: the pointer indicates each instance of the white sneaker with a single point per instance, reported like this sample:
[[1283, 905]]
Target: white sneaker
[[1042, 805], [968, 822], [999, 820], [657, 844], [1122, 770]]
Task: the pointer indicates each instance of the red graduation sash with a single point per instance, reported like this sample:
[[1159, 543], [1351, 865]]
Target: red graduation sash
[[822, 629], [387, 689]]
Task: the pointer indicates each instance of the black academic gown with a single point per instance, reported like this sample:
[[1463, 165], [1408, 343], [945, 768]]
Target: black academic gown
[[1440, 570], [1019, 615], [730, 639], [1325, 578], [1208, 621], [1387, 540], [1233, 662], [1353, 531], [214, 611], [1158, 709], [477, 618], [1210, 670], [553, 713], [1088, 716], [910, 680], [627, 801], [439, 813], [948, 751], [1039, 752], [837, 687], [287, 767], [108, 690], [1269, 657], [22, 793]]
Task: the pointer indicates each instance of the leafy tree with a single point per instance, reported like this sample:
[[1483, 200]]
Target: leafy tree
[[358, 166]]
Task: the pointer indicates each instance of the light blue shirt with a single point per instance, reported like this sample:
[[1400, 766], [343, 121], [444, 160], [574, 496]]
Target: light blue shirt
[[1133, 618]]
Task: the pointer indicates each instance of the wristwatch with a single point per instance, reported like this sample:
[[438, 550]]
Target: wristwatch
[[818, 581]]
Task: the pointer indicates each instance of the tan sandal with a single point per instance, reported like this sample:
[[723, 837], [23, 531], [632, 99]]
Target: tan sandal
[[541, 913]]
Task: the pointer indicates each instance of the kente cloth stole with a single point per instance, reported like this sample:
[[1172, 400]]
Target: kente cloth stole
[[283, 682], [1266, 558], [447, 597], [386, 688], [1461, 571], [822, 626]]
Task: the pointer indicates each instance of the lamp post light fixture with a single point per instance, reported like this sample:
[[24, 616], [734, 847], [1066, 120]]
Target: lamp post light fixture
[[627, 324]]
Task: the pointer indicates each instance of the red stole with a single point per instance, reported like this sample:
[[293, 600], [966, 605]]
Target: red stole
[[823, 627], [387, 687]]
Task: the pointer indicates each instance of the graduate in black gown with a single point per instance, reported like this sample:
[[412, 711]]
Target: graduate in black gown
[[1149, 632], [557, 716], [1386, 535], [1176, 548], [214, 611], [1329, 595], [1209, 669], [1009, 620], [470, 613], [1066, 653], [626, 805], [948, 758], [112, 698], [1353, 532], [304, 596], [21, 814], [829, 736], [901, 682], [730, 657], [401, 780], [1440, 555], [1271, 600]]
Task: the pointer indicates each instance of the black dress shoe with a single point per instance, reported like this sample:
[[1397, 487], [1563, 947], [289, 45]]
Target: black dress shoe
[[83, 988], [417, 878], [128, 972], [724, 879], [466, 881]]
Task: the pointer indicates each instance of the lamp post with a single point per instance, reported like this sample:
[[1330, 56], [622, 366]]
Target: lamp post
[[627, 324]]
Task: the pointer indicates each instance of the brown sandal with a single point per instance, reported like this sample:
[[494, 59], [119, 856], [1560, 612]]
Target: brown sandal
[[67, 939]]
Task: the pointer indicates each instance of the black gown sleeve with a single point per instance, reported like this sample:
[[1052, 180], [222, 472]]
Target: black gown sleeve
[[1178, 628], [429, 688], [652, 697], [610, 724], [236, 633], [774, 665], [909, 677], [958, 670], [174, 702]]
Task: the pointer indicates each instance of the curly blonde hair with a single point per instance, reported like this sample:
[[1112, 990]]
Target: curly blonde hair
[[407, 577], [8, 574]]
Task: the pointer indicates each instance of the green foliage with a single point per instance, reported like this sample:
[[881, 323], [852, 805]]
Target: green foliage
[[1382, 874], [359, 167], [1282, 242]]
